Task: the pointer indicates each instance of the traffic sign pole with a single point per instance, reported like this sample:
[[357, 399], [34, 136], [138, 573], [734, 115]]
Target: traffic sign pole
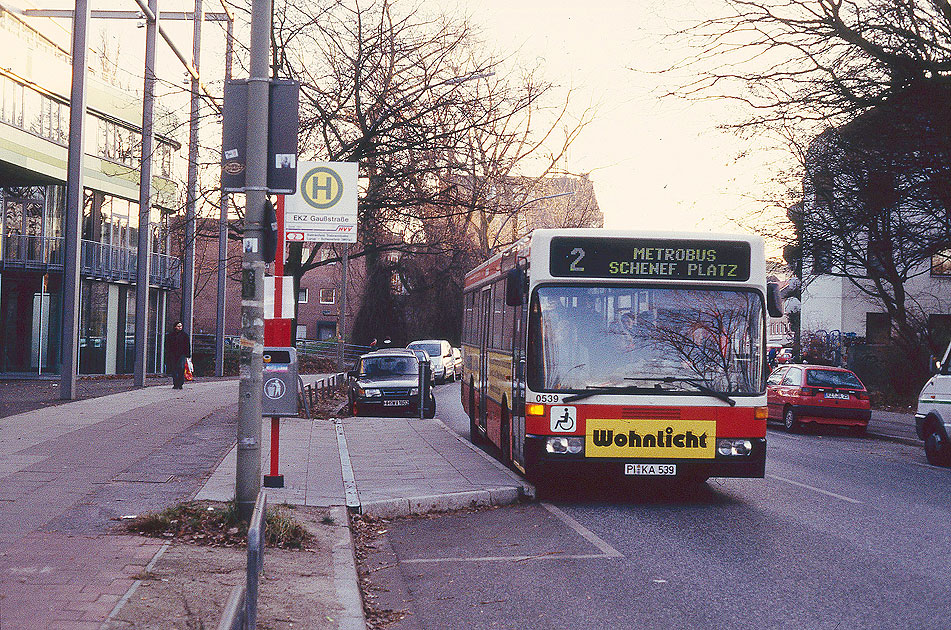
[[248, 467], [274, 480]]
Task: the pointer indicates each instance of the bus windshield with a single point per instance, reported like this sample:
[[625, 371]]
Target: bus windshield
[[583, 337]]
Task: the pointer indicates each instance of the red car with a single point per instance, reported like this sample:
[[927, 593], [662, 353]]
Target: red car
[[797, 394]]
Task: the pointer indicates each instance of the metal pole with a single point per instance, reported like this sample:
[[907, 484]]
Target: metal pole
[[248, 473], [145, 204], [39, 348], [188, 281], [223, 238], [74, 204], [342, 315]]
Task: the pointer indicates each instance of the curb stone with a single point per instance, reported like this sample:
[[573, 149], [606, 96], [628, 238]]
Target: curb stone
[[391, 508], [346, 582]]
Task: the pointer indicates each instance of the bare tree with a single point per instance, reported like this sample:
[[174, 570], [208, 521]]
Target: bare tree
[[860, 93], [416, 102]]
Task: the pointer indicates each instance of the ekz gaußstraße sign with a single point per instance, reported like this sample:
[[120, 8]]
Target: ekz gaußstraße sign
[[324, 208]]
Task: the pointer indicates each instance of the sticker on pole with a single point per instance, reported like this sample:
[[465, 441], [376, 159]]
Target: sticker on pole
[[324, 209]]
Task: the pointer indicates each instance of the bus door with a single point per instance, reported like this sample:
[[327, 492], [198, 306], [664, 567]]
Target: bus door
[[485, 332], [519, 339]]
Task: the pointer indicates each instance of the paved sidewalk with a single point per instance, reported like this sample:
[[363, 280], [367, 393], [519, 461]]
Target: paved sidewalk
[[70, 470], [67, 471], [384, 466]]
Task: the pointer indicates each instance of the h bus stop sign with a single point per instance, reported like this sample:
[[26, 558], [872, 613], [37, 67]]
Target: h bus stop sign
[[279, 392]]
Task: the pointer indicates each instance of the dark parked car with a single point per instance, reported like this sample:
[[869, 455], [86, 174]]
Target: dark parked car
[[799, 394], [386, 383]]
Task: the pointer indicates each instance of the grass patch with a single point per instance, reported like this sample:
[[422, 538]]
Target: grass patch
[[217, 524], [282, 530]]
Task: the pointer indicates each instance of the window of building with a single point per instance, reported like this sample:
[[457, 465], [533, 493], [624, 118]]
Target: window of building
[[302, 295], [396, 284], [939, 331], [941, 263], [328, 296], [877, 327], [822, 258], [301, 332], [879, 256]]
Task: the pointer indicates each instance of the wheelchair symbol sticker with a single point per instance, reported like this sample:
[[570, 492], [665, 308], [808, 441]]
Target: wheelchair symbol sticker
[[563, 419], [274, 389]]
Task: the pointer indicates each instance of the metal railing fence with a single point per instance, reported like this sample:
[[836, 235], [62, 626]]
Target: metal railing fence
[[329, 349], [241, 611]]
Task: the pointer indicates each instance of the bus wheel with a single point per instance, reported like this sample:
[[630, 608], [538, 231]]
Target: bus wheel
[[789, 420]]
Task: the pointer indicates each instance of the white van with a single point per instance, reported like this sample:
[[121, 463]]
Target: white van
[[933, 418], [441, 354]]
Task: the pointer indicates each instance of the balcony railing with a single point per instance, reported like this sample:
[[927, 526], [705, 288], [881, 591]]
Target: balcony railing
[[97, 260], [33, 252]]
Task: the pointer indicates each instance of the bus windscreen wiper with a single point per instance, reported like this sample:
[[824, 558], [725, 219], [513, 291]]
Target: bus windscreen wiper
[[616, 389], [698, 384]]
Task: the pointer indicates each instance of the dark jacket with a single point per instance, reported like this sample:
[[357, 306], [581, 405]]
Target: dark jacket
[[177, 345]]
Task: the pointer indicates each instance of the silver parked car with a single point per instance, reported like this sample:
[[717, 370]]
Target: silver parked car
[[457, 362], [441, 354]]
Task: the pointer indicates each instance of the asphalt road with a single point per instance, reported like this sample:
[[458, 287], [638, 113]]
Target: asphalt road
[[843, 532]]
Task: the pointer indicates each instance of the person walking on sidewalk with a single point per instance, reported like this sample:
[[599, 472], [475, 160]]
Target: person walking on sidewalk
[[177, 348]]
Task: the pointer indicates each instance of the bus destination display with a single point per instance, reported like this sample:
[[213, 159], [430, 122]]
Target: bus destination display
[[656, 259]]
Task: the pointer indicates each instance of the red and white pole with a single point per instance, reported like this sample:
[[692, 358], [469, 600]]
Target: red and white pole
[[277, 338]]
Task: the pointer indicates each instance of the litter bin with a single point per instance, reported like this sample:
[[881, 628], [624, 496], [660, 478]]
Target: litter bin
[[279, 391]]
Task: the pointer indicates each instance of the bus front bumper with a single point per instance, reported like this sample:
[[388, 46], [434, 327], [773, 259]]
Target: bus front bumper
[[540, 463]]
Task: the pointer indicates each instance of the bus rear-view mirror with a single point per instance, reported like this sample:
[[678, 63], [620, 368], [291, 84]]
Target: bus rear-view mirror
[[774, 301]]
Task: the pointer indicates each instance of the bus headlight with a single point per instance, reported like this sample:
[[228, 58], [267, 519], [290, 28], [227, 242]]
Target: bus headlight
[[730, 447], [560, 445]]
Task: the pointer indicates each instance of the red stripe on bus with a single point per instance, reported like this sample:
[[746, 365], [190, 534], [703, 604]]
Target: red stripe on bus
[[731, 421]]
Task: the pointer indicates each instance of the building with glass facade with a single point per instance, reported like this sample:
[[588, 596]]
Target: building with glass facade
[[35, 78]]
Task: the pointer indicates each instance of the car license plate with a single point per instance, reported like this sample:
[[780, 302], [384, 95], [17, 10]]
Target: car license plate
[[650, 469], [395, 403], [836, 395]]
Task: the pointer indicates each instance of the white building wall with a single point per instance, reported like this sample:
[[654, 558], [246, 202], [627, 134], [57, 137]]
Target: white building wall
[[822, 304], [835, 303]]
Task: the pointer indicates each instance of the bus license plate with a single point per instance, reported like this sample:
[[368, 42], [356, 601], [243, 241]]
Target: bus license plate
[[395, 403], [650, 469]]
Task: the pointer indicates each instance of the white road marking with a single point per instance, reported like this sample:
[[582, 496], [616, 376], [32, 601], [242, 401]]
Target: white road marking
[[814, 489], [540, 556], [584, 532]]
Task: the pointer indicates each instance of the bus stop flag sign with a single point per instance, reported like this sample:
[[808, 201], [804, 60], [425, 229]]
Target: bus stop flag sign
[[324, 209]]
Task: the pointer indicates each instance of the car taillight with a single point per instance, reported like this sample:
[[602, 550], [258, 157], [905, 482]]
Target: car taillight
[[861, 395], [808, 391]]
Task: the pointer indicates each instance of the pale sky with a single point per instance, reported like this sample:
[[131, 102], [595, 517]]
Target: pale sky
[[656, 163]]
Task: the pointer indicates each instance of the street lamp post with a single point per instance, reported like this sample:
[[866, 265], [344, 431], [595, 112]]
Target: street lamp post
[[248, 471]]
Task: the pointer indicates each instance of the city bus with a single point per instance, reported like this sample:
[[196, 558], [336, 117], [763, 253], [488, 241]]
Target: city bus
[[621, 353]]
